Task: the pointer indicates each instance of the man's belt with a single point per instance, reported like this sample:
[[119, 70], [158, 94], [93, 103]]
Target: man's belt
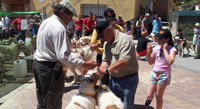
[[48, 63], [129, 75]]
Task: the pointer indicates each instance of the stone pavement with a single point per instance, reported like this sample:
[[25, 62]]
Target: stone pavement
[[183, 93]]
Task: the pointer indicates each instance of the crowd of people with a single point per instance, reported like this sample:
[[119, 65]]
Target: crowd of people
[[116, 52], [11, 26]]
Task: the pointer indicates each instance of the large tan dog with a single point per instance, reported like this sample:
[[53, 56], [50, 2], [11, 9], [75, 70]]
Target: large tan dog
[[85, 54], [108, 100], [86, 97]]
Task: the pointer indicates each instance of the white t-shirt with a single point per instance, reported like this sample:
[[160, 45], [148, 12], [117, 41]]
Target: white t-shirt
[[5, 22], [197, 8]]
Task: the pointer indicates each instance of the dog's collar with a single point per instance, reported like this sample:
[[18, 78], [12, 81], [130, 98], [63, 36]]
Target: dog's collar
[[87, 94]]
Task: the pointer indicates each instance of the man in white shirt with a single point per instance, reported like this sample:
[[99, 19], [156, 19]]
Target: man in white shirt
[[53, 50], [197, 7], [5, 22]]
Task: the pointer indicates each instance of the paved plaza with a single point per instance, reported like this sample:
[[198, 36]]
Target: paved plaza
[[183, 93]]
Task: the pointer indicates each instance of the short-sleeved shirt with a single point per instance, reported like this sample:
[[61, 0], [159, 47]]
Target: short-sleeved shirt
[[156, 26], [17, 23], [145, 21], [122, 48], [89, 23], [79, 24], [94, 37], [196, 33], [142, 44], [160, 64]]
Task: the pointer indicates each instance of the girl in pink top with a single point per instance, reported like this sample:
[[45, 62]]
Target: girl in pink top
[[79, 26], [162, 57]]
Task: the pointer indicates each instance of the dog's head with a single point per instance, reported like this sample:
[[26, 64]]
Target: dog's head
[[88, 82], [90, 78]]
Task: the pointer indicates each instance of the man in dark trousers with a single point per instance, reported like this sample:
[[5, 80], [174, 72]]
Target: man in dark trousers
[[52, 52]]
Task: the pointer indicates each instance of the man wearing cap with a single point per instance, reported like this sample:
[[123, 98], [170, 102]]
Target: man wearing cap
[[119, 60], [95, 44], [145, 23], [52, 52]]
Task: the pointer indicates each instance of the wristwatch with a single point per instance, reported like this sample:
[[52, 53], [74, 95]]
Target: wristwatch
[[107, 70]]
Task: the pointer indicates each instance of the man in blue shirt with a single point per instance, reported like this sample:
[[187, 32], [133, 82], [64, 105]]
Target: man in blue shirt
[[157, 26]]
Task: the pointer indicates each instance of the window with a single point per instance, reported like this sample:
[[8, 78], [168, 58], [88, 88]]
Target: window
[[94, 8]]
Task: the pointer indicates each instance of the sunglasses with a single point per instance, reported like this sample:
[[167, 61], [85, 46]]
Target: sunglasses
[[69, 13]]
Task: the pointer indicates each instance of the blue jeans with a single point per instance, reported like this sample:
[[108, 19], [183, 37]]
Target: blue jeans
[[125, 88]]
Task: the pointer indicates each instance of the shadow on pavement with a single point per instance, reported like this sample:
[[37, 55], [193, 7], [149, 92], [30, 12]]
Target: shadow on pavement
[[187, 55], [67, 89], [71, 78], [138, 106], [72, 86]]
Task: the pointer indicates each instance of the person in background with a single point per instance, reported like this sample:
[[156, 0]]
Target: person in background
[[119, 60], [120, 21], [53, 51], [36, 24], [161, 57], [142, 44], [88, 23], [11, 30], [97, 45], [145, 22], [180, 38], [71, 29], [79, 27], [150, 20], [31, 20], [157, 26], [198, 47], [138, 27], [129, 28], [17, 26], [95, 20], [4, 31], [196, 37]]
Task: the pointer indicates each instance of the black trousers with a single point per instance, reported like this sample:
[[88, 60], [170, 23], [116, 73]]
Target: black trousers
[[49, 85]]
